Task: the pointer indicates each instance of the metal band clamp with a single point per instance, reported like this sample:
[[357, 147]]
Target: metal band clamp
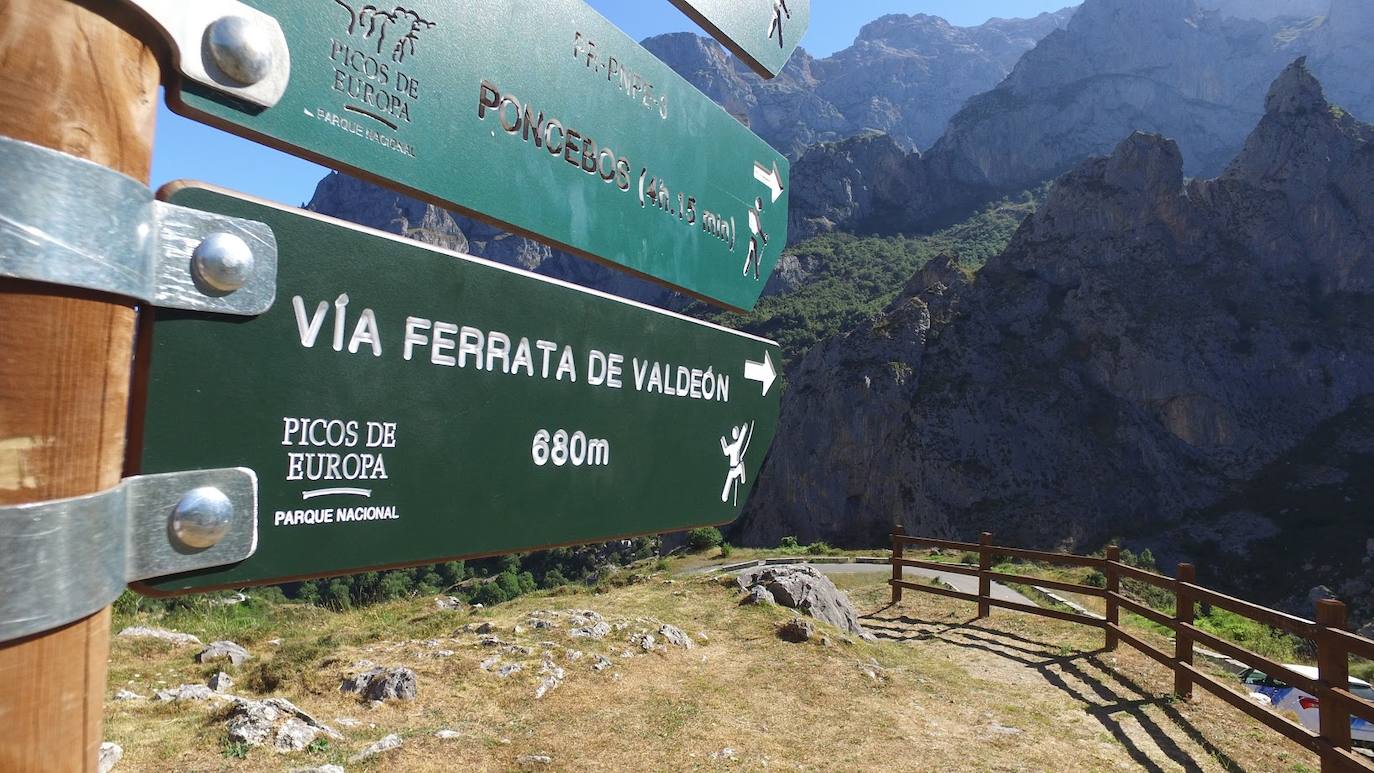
[[64, 560], [68, 221], [224, 44]]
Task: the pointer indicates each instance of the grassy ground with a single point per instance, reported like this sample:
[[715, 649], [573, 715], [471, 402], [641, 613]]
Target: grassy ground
[[934, 691]]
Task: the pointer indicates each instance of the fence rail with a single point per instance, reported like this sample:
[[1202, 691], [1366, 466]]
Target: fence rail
[[1334, 643]]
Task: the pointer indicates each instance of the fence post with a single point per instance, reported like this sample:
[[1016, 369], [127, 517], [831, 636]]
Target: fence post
[[1183, 643], [984, 566], [64, 372], [1333, 670], [897, 547], [1113, 586]]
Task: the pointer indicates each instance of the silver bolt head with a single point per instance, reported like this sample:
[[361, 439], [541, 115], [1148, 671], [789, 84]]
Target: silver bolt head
[[202, 518], [241, 48], [223, 261]]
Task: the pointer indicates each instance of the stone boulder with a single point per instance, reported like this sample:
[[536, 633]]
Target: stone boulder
[[110, 755], [374, 683], [224, 650], [161, 634], [806, 590], [253, 723]]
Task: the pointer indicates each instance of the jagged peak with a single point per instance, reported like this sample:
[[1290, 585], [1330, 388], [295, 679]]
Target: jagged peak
[[1149, 163], [1295, 92]]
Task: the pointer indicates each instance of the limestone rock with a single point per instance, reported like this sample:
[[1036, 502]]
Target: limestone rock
[[808, 591], [127, 695], [380, 684], [294, 736], [389, 743], [224, 650], [187, 692], [796, 630], [110, 755], [675, 636], [534, 760], [221, 682], [253, 723], [161, 634], [447, 735]]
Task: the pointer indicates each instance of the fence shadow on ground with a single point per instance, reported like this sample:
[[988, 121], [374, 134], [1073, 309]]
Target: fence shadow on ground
[[1105, 694]]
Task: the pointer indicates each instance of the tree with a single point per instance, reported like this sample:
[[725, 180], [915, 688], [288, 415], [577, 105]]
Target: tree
[[704, 538]]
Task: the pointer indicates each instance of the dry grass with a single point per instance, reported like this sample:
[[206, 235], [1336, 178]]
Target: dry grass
[[938, 698]]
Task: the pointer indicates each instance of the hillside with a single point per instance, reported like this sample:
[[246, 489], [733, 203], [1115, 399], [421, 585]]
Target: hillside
[[1142, 349], [930, 692]]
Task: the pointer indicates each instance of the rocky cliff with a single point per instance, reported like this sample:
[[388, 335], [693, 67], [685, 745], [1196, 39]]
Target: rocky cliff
[[904, 76], [1196, 73], [1144, 348]]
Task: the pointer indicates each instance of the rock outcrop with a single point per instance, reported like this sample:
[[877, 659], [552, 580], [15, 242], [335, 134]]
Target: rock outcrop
[[806, 590], [1142, 347]]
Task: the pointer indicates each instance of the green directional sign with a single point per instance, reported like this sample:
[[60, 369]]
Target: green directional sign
[[404, 405], [762, 33], [543, 118]]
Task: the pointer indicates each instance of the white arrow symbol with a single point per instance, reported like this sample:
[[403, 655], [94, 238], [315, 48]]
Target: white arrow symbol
[[761, 372], [768, 177]]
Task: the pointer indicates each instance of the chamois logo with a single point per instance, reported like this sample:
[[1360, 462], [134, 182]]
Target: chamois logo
[[373, 23]]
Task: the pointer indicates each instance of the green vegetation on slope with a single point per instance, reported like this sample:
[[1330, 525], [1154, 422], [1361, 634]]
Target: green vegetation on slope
[[851, 278]]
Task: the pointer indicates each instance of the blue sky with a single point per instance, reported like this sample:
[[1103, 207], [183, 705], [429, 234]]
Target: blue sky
[[188, 150]]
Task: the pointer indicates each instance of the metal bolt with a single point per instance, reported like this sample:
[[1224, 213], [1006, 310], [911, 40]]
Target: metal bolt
[[202, 518], [223, 261], [241, 48]]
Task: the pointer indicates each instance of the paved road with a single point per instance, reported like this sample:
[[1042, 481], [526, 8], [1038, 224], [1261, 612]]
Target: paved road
[[959, 582]]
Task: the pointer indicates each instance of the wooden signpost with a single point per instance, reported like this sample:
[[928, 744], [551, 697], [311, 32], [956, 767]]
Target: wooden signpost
[[324, 399]]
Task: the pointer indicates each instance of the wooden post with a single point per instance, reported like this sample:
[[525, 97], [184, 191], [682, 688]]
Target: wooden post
[[1113, 586], [1183, 643], [984, 566], [1333, 670], [897, 549], [89, 89]]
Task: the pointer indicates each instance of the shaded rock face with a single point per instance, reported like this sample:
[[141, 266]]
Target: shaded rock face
[[1172, 67], [1141, 348], [904, 75]]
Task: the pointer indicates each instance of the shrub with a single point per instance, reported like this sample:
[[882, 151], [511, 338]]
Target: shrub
[[968, 557], [661, 565], [554, 579], [725, 550], [490, 594], [789, 543], [704, 538], [819, 549]]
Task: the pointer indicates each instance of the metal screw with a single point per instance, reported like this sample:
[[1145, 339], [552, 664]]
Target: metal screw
[[223, 261], [241, 48], [202, 518]]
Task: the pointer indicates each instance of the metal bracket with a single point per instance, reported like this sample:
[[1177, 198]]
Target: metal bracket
[[226, 45], [68, 221], [64, 560]]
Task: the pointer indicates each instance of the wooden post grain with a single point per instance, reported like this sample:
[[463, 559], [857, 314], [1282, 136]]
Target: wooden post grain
[[1333, 670], [984, 582], [1183, 643], [89, 89], [1113, 587], [897, 550]]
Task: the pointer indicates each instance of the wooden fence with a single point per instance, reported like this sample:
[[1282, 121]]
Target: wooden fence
[[1334, 644]]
